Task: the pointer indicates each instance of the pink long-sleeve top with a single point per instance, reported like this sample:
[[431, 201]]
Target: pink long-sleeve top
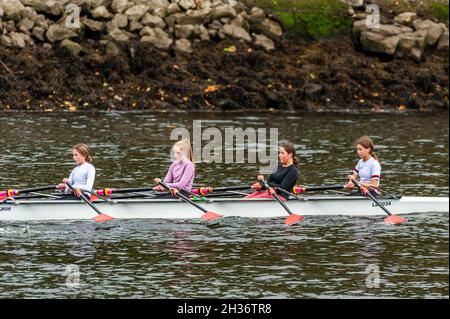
[[181, 175]]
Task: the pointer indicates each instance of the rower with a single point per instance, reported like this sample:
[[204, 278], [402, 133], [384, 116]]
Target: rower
[[82, 176], [181, 173], [285, 176], [368, 168]]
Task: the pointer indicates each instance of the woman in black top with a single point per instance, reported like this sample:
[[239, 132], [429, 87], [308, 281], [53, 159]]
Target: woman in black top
[[285, 177]]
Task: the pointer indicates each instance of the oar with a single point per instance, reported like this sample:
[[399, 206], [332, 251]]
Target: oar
[[101, 217], [109, 191], [391, 219], [207, 214], [301, 189], [293, 218], [207, 190], [14, 192]]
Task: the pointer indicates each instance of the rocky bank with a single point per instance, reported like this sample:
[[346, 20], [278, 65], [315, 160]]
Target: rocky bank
[[214, 55]]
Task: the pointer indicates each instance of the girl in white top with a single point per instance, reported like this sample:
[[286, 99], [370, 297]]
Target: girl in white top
[[82, 176], [368, 168]]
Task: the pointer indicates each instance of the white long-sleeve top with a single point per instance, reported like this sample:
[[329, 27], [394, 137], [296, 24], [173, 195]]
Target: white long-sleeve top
[[82, 177]]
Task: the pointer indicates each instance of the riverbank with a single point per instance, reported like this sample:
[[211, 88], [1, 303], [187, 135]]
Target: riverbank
[[289, 72]]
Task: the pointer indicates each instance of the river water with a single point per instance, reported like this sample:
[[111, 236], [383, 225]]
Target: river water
[[322, 257]]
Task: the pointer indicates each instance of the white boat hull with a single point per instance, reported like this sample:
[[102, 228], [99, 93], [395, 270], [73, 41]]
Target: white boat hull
[[22, 210]]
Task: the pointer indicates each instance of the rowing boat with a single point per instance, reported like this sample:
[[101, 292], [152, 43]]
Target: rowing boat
[[38, 209]]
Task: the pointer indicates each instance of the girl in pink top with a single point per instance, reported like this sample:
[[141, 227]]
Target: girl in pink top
[[181, 173]]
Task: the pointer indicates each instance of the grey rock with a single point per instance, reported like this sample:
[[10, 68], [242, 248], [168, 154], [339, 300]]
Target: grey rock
[[58, 32], [183, 45], [160, 39], [25, 25], [17, 40], [173, 8], [185, 31], [257, 15], [118, 36], [119, 6], [12, 9], [223, 11], [70, 47], [153, 21], [112, 49], [186, 4], [236, 32], [376, 42], [135, 25], [412, 44], [39, 33], [136, 12], [434, 30], [271, 29], [406, 18], [101, 12], [264, 42], [96, 26]]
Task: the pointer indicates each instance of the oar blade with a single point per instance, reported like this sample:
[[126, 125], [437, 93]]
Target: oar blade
[[394, 220], [211, 216], [103, 218], [93, 198], [292, 219]]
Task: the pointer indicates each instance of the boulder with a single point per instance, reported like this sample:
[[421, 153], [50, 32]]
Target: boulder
[[406, 18], [136, 12], [25, 25], [376, 42], [257, 15], [101, 12], [118, 36], [17, 40], [236, 32], [183, 45], [186, 31], [39, 33], [70, 47], [93, 25], [153, 21], [412, 44], [11, 9], [271, 29], [58, 32], [186, 4], [434, 30], [263, 42], [222, 11], [159, 39], [119, 6]]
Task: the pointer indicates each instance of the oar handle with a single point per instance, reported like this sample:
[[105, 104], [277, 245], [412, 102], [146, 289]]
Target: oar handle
[[320, 188]]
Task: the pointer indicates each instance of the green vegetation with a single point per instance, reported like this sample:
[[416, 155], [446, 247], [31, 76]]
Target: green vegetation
[[437, 9], [312, 18]]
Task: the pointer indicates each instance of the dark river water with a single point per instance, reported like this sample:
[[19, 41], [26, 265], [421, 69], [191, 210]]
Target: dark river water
[[321, 257]]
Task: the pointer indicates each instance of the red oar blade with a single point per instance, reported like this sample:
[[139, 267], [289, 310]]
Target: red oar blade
[[211, 216], [394, 219], [292, 219], [103, 218], [3, 198]]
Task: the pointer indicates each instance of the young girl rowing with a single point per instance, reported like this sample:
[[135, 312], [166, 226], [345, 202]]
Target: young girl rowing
[[368, 168], [181, 173], [82, 177], [285, 175]]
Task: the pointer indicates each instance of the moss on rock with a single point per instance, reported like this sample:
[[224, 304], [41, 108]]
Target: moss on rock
[[312, 18]]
